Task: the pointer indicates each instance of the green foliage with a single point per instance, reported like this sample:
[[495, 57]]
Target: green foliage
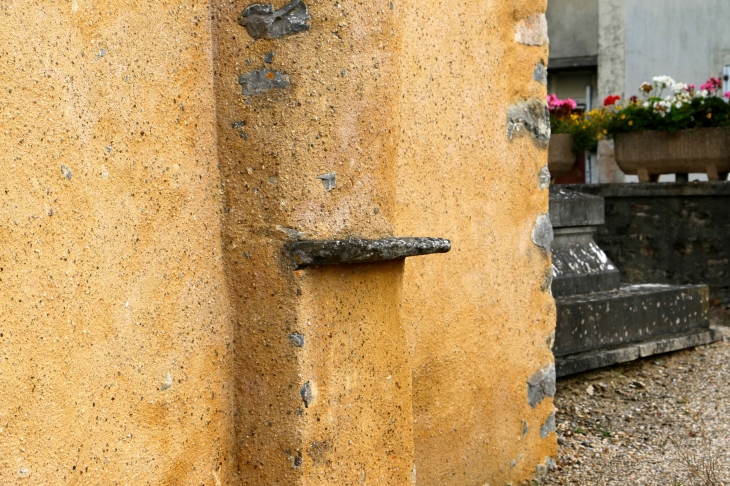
[[585, 129], [699, 112]]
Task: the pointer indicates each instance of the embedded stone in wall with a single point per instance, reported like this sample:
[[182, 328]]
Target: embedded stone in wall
[[259, 81], [543, 178], [539, 74], [529, 117], [261, 20], [548, 427], [329, 181], [541, 385], [542, 233], [532, 31]]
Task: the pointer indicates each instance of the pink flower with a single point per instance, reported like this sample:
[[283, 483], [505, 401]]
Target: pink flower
[[712, 84], [554, 103], [690, 88], [727, 95]]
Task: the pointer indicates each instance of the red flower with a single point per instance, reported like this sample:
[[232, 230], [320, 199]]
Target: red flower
[[611, 100]]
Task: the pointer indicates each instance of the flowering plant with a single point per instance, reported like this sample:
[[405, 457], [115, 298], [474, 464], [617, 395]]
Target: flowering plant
[[669, 106], [565, 119]]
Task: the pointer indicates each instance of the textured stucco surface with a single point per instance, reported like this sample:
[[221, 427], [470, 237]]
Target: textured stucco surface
[[478, 323], [147, 309], [314, 160], [114, 316]]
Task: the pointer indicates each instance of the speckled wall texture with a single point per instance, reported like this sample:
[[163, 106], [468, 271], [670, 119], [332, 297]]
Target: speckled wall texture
[[480, 318], [114, 309], [156, 158]]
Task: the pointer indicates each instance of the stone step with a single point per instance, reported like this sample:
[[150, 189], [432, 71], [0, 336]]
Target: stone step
[[630, 314], [577, 363]]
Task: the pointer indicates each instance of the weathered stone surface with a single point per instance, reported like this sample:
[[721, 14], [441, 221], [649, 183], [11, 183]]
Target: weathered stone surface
[[573, 208], [672, 233], [541, 385], [297, 339], [577, 363], [529, 117], [261, 20], [542, 233], [330, 252], [627, 315], [329, 181], [579, 264], [116, 324]]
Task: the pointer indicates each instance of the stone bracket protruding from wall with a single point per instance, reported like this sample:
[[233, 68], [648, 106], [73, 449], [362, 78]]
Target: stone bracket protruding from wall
[[331, 252]]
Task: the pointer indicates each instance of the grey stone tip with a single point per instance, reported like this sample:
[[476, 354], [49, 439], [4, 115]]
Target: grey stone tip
[[306, 253]]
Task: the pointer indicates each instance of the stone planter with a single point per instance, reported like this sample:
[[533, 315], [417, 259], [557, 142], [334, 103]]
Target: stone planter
[[652, 153], [561, 157]]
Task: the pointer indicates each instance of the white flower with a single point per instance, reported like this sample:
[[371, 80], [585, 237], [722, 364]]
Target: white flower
[[646, 104], [679, 87], [663, 81], [678, 104]]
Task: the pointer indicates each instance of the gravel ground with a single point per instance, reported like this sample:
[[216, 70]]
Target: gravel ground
[[663, 420]]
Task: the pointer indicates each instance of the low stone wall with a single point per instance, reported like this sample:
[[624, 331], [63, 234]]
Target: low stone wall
[[676, 233]]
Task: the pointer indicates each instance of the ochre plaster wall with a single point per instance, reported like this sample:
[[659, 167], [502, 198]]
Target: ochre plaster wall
[[114, 312], [151, 329], [478, 321], [336, 409]]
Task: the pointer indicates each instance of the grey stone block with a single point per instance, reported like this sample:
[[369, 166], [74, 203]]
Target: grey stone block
[[572, 208], [577, 363], [579, 264], [330, 252], [630, 314]]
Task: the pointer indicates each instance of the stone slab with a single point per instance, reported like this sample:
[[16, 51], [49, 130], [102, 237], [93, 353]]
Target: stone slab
[[630, 314], [578, 363], [331, 252], [572, 208]]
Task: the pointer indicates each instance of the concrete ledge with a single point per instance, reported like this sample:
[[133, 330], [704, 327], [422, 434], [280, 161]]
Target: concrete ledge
[[577, 363], [654, 189], [332, 252]]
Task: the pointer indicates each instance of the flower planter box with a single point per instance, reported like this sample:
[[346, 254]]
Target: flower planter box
[[561, 157], [651, 153]]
